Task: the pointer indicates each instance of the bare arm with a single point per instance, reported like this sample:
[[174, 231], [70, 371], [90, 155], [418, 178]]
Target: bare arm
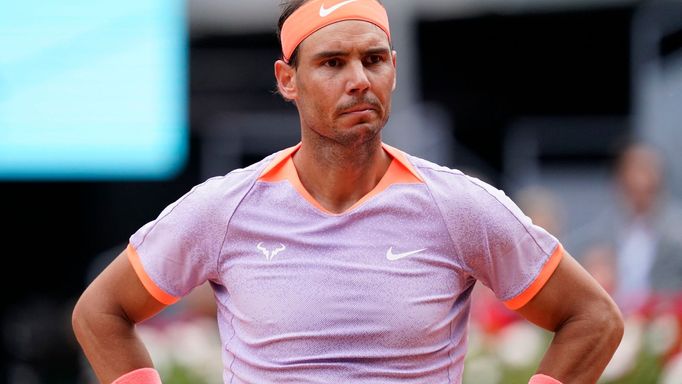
[[104, 320], [587, 324]]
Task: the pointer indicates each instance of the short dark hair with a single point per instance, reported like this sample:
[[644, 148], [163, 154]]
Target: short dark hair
[[288, 8]]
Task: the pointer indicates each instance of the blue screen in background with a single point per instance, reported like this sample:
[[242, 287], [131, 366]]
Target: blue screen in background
[[92, 89]]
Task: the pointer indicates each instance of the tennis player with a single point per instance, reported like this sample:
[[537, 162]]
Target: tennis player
[[342, 259]]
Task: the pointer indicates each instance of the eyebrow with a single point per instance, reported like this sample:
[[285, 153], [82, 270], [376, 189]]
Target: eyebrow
[[371, 51]]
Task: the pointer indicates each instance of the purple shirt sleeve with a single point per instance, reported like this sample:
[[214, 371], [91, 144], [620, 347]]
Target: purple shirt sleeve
[[493, 240], [181, 248]]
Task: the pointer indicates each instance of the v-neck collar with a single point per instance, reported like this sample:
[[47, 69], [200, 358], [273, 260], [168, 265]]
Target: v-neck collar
[[400, 171]]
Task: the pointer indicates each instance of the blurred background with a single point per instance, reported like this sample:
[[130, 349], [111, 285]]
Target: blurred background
[[111, 110]]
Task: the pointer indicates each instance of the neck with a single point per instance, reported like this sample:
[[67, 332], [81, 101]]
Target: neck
[[338, 175]]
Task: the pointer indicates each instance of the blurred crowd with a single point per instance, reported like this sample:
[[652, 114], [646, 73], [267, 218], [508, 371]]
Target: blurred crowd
[[634, 247]]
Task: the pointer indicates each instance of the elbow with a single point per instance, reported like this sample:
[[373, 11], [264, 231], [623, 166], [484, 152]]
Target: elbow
[[78, 319], [84, 320], [617, 324], [610, 324]]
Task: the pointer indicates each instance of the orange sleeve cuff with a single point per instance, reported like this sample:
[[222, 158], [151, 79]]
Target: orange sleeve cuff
[[547, 270], [149, 284]]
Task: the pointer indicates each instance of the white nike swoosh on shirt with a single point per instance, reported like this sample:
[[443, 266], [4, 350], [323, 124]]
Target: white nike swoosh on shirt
[[397, 256], [324, 12]]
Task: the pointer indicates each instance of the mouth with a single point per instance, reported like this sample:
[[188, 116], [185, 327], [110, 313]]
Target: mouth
[[359, 109]]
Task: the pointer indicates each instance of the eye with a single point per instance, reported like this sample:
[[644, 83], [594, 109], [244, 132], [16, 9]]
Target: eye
[[374, 59], [332, 63]]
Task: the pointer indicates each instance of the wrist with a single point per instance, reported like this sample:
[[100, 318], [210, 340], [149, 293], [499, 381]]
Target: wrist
[[140, 376], [543, 379]]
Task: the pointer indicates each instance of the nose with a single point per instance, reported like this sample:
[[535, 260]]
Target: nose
[[358, 82]]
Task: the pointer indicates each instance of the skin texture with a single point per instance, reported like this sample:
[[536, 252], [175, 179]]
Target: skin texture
[[342, 88]]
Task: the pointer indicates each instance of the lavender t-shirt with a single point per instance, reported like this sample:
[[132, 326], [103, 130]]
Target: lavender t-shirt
[[377, 294]]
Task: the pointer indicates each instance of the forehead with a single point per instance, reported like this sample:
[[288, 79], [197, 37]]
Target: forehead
[[641, 157], [345, 35]]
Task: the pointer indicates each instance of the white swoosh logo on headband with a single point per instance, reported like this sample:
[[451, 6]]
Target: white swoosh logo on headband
[[324, 12]]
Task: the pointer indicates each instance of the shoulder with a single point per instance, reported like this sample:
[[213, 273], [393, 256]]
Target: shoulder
[[669, 218], [219, 193], [457, 188], [236, 182], [469, 205]]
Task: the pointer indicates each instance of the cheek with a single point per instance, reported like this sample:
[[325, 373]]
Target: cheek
[[317, 105], [385, 85], [326, 96], [385, 95], [318, 87]]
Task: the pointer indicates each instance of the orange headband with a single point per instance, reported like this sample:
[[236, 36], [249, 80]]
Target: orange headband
[[317, 14]]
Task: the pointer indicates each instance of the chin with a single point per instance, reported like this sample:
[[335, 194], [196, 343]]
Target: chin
[[358, 134]]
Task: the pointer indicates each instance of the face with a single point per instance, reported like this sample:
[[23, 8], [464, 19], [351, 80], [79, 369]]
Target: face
[[343, 83], [640, 175]]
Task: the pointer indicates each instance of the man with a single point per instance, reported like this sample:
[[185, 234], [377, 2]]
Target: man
[[634, 247], [343, 259]]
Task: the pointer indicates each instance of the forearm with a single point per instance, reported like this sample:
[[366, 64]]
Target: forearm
[[110, 343], [587, 324], [582, 347]]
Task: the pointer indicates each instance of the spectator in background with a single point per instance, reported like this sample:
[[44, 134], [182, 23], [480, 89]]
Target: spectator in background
[[635, 246]]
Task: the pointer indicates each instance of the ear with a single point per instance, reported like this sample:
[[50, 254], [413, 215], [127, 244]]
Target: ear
[[286, 79], [394, 55]]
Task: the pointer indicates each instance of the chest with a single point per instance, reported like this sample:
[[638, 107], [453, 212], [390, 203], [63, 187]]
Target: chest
[[384, 268]]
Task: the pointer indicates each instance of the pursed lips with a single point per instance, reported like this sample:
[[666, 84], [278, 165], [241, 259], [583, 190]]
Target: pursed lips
[[359, 108]]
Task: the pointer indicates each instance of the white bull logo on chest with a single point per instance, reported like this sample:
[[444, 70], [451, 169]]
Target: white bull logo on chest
[[270, 254]]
